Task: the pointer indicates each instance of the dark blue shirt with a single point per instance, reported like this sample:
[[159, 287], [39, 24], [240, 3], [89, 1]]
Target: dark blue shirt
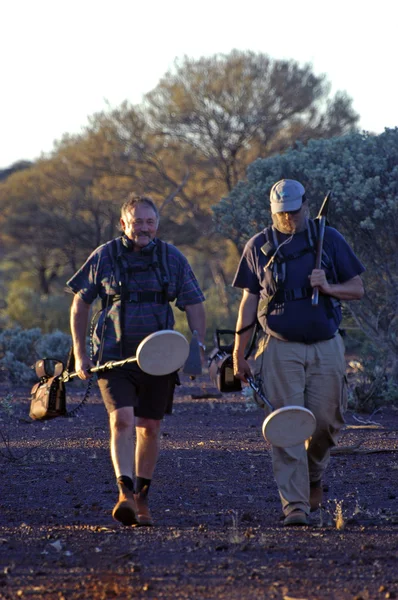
[[298, 320], [95, 280]]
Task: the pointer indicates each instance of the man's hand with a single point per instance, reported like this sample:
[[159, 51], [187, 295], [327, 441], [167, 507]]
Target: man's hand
[[241, 368], [82, 364], [318, 280]]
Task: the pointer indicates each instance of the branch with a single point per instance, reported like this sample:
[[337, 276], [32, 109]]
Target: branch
[[178, 189]]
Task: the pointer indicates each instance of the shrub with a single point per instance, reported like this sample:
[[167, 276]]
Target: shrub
[[20, 349]]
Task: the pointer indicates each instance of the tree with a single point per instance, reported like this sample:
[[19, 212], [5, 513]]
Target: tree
[[362, 172], [234, 108]]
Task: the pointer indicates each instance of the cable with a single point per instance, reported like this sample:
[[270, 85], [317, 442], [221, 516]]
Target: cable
[[271, 260]]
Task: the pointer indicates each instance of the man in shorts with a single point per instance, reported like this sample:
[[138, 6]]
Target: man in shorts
[[136, 276]]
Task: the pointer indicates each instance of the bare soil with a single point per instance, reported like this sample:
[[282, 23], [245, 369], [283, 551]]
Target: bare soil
[[218, 532]]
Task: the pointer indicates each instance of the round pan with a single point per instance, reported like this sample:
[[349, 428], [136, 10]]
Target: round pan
[[289, 426], [162, 352]]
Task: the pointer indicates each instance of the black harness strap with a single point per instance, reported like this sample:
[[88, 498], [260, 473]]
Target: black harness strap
[[137, 297], [121, 271], [277, 262], [292, 294]]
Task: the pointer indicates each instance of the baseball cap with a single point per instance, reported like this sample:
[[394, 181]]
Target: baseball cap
[[286, 195]]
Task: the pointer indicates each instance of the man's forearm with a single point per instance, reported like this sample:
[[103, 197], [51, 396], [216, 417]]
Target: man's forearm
[[196, 318], [247, 316], [78, 325], [349, 290]]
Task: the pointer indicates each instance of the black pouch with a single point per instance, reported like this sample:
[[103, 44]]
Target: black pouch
[[221, 369], [221, 373], [48, 399]]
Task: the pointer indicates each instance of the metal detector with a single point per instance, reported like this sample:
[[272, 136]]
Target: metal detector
[[286, 426], [160, 353]]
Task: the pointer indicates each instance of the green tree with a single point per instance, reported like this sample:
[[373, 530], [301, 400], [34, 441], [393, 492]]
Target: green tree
[[362, 172], [233, 108]]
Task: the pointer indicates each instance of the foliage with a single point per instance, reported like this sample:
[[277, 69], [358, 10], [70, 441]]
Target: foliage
[[373, 385], [187, 144], [15, 370], [233, 108], [21, 343], [362, 171], [217, 317], [29, 309], [20, 349]]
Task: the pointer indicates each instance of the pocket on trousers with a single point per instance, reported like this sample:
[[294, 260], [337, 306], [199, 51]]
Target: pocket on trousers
[[258, 357], [344, 396]]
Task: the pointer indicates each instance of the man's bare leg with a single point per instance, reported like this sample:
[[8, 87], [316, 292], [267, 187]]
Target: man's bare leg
[[146, 456], [122, 453]]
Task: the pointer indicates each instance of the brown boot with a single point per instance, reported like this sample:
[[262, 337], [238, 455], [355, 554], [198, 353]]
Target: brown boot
[[125, 510], [296, 517], [143, 512], [316, 495]]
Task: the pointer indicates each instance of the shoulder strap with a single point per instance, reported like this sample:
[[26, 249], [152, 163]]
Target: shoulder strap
[[162, 249], [268, 245], [313, 232], [114, 249]]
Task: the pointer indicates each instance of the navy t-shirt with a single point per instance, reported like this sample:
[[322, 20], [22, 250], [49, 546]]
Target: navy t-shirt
[[94, 279], [297, 320]]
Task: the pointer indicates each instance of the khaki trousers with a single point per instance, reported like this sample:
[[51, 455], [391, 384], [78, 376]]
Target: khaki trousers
[[313, 376]]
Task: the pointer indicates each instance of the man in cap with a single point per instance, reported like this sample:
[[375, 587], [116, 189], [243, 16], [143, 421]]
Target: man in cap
[[300, 355]]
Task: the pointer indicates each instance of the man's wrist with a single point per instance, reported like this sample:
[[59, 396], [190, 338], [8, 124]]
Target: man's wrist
[[202, 345]]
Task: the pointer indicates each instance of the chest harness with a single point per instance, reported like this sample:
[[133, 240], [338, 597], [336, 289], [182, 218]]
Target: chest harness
[[277, 259], [155, 258]]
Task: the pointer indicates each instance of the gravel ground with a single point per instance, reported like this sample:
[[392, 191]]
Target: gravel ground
[[218, 532]]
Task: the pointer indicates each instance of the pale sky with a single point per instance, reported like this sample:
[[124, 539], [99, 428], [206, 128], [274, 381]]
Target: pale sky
[[63, 61]]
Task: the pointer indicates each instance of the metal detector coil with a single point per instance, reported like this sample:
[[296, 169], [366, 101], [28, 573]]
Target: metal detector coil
[[287, 426]]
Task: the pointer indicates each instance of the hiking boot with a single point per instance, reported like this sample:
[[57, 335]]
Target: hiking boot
[[316, 495], [143, 513], [125, 510], [296, 517]]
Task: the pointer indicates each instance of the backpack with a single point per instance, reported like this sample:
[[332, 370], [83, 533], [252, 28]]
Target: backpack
[[159, 252], [277, 264], [160, 266]]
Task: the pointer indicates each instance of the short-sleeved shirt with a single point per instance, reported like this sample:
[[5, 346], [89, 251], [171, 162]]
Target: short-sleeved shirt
[[297, 320], [96, 279]]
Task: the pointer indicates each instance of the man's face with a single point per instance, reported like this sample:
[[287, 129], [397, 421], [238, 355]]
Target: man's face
[[140, 225], [291, 222]]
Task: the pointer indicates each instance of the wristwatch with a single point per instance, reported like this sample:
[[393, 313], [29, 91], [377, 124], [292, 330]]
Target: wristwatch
[[202, 346]]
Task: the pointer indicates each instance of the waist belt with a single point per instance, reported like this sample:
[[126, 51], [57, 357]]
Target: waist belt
[[293, 294], [136, 297]]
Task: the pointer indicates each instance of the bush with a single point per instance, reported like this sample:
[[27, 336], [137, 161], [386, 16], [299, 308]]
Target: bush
[[20, 349], [28, 309], [14, 370]]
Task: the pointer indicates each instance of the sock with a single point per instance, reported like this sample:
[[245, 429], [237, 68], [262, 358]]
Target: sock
[[316, 484], [126, 482], [143, 485]]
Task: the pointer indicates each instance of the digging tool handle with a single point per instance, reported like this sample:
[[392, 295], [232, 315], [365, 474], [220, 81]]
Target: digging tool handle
[[318, 260], [321, 234], [258, 391]]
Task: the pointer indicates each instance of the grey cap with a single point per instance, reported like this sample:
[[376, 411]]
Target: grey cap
[[286, 195]]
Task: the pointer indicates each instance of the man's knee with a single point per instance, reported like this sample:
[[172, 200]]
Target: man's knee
[[148, 428], [122, 419]]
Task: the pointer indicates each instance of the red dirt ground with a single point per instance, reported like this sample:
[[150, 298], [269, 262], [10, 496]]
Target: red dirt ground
[[218, 532]]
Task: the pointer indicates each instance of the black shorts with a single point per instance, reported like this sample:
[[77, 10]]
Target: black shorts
[[150, 395]]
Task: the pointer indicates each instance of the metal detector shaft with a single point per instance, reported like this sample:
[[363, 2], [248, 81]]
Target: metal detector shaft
[[258, 391], [105, 367]]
